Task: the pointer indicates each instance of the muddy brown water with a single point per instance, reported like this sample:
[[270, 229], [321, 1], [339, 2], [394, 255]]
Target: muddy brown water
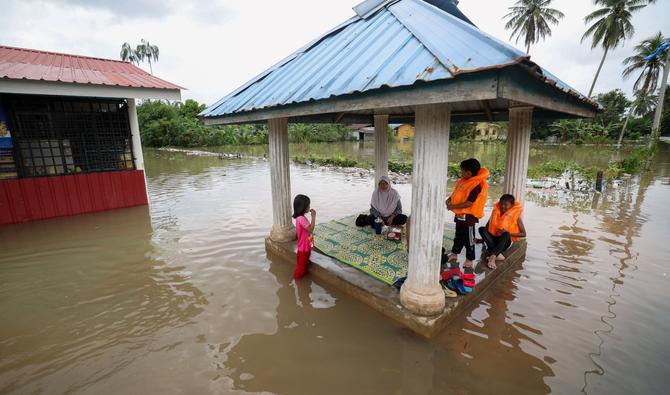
[[180, 298]]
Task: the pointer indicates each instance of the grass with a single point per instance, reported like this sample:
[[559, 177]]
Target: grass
[[635, 162]]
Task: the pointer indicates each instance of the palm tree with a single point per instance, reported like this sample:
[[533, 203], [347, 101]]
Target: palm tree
[[648, 78], [147, 51], [611, 26], [643, 104], [647, 81], [128, 54], [530, 19]]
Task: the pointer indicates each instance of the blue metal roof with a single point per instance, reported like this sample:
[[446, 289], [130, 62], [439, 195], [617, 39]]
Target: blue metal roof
[[400, 43]]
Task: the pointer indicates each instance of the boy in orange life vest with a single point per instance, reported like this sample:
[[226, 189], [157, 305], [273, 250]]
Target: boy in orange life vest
[[467, 202], [504, 226]]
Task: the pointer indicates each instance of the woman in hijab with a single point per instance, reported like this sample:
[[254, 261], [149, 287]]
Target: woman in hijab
[[385, 204]]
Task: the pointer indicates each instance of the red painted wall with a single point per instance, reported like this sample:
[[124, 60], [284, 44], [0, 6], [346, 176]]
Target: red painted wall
[[30, 199]]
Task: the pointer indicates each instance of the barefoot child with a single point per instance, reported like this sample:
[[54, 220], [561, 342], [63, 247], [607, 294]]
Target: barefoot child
[[467, 202], [304, 230], [504, 227]]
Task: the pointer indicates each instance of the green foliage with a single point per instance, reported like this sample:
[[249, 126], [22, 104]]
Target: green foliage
[[530, 19], [144, 51], [391, 135], [400, 167], [605, 128], [462, 130], [191, 108], [338, 160], [633, 163], [164, 124], [317, 133], [614, 105]]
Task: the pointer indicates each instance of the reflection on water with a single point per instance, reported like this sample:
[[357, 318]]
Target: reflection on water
[[183, 299]]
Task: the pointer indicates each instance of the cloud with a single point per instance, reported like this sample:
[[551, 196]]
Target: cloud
[[212, 47], [204, 11], [122, 8]]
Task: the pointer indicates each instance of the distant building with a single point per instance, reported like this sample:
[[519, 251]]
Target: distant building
[[486, 131], [404, 132], [362, 131]]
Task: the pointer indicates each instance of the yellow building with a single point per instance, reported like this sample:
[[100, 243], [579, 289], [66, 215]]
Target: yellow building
[[404, 132], [485, 131]]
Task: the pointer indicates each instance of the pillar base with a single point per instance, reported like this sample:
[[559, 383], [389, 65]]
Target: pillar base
[[425, 302], [282, 235]]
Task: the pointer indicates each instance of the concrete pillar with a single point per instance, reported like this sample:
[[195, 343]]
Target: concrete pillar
[[138, 155], [518, 149], [282, 224], [421, 292], [381, 147], [135, 132]]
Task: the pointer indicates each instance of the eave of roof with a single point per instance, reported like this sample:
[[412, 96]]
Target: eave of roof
[[397, 45], [34, 65]]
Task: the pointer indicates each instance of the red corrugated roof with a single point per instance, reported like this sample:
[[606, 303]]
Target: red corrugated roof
[[31, 64]]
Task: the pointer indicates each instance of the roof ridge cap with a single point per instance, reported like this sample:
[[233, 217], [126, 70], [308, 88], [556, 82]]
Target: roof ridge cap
[[40, 51]]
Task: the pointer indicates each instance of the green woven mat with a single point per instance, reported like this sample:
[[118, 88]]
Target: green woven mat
[[361, 248]]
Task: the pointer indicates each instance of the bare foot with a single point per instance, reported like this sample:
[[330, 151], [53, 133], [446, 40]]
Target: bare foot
[[500, 257], [467, 264], [491, 263], [452, 258]]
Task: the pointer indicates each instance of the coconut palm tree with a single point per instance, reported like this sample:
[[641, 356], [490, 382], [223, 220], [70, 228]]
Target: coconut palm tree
[[530, 19], [128, 54], [650, 70], [647, 81], [642, 105], [147, 51], [611, 26]]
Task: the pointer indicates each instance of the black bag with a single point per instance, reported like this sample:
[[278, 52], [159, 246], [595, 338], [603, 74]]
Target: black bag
[[362, 220]]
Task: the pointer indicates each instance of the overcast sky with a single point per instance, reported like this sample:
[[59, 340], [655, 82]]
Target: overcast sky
[[213, 47]]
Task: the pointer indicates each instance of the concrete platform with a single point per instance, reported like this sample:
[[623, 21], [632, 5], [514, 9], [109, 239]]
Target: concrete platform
[[385, 298]]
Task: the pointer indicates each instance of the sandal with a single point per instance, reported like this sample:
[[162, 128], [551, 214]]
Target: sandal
[[455, 283], [449, 293], [446, 275]]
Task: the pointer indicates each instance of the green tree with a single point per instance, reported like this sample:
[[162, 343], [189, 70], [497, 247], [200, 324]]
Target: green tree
[[642, 106], [610, 26], [128, 54], [565, 129], [529, 20], [649, 70], [147, 51], [191, 108], [614, 105]]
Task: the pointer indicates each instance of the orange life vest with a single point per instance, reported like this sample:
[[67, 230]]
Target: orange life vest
[[463, 189], [508, 221]]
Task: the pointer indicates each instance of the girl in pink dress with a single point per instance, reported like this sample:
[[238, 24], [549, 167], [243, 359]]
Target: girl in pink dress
[[304, 230]]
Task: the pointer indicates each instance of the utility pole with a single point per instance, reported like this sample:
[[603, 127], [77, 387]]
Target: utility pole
[[656, 128]]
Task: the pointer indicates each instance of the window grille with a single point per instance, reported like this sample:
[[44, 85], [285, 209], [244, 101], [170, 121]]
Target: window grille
[[57, 136]]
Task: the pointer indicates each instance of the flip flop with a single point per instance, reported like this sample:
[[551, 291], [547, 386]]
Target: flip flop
[[455, 283], [449, 293], [446, 275], [469, 283], [398, 284], [467, 276]]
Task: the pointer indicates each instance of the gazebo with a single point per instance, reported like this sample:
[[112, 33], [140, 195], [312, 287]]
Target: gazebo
[[416, 61]]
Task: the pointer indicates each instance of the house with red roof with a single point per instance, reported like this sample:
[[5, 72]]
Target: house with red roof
[[69, 136]]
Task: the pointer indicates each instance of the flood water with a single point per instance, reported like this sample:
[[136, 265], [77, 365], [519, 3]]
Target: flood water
[[180, 297]]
